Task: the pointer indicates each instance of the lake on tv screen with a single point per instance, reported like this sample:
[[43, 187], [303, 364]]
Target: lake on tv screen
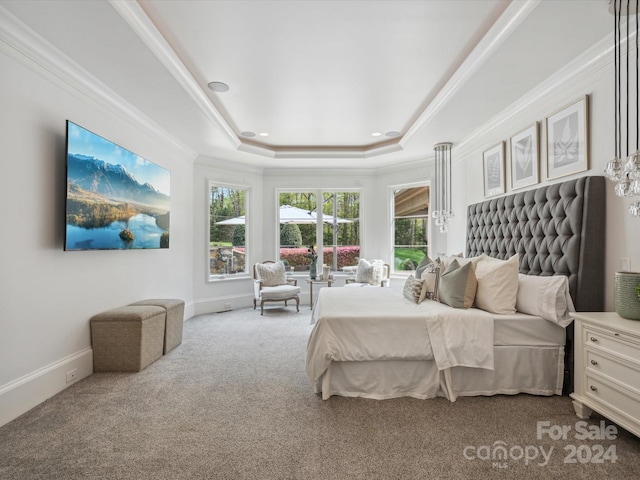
[[146, 234]]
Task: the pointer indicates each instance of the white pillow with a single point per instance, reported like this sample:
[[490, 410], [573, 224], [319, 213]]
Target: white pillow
[[474, 260], [497, 284], [546, 297], [370, 272], [271, 274]]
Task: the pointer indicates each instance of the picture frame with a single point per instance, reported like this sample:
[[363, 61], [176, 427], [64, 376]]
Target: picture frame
[[525, 163], [568, 139], [493, 170]]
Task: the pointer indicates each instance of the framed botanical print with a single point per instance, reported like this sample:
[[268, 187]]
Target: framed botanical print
[[524, 158], [493, 168], [568, 140]]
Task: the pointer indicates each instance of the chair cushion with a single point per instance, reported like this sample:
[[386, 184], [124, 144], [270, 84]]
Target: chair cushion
[[271, 274], [370, 272], [281, 292]]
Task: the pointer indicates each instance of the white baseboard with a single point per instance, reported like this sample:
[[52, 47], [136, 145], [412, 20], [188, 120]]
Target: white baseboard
[[21, 395], [222, 304], [189, 310]]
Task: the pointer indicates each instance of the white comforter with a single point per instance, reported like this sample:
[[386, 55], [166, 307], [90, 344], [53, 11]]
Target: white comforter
[[361, 324]]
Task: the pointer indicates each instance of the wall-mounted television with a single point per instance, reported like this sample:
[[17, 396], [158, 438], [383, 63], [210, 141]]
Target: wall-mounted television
[[116, 200]]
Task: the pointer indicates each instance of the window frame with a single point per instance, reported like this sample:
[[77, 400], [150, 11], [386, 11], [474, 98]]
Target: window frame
[[392, 223], [319, 195], [212, 278]]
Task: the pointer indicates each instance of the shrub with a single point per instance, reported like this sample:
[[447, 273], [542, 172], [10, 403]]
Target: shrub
[[298, 256], [290, 235], [408, 264]]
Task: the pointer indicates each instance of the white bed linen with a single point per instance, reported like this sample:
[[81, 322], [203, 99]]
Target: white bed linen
[[355, 325], [524, 329], [518, 369], [536, 369]]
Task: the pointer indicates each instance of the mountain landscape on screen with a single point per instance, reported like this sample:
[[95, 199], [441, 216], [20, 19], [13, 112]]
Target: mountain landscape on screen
[[114, 182], [108, 206]]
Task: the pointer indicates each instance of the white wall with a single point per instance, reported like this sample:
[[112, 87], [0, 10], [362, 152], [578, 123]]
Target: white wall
[[47, 294], [591, 74]]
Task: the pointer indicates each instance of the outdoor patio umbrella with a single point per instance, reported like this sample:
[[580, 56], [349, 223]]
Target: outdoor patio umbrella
[[289, 214]]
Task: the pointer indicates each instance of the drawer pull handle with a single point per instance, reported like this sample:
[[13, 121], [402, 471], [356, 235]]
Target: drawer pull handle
[[594, 388], [594, 339], [593, 362], [616, 334]]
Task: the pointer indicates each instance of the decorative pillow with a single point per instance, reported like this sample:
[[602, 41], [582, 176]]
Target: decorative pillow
[[546, 297], [423, 265], [271, 274], [444, 260], [474, 260], [457, 286], [497, 284], [370, 272], [430, 275], [413, 289]]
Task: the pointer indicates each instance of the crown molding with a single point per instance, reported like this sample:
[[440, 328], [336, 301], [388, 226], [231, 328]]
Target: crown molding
[[30, 49], [513, 16], [279, 172], [579, 74], [142, 25]]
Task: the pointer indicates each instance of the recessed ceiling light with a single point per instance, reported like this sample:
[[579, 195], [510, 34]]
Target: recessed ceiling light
[[392, 133], [263, 134], [248, 134], [218, 87], [376, 134]]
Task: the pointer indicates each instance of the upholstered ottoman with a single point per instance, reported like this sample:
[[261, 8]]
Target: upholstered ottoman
[[127, 339], [174, 322]]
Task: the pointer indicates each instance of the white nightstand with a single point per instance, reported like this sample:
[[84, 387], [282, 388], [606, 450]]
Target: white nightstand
[[607, 368]]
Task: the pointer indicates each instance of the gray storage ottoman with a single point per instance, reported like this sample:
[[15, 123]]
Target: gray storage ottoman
[[127, 339], [175, 319]]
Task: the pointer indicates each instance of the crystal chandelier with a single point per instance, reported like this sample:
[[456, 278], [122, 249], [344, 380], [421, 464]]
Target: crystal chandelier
[[442, 200], [625, 172]]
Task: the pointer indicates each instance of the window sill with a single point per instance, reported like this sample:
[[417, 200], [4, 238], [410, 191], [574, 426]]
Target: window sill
[[228, 277]]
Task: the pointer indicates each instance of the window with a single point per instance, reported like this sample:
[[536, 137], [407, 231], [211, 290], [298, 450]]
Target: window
[[410, 226], [227, 230], [338, 238]]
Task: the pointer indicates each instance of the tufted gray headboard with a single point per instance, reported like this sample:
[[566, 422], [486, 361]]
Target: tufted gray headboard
[[557, 230]]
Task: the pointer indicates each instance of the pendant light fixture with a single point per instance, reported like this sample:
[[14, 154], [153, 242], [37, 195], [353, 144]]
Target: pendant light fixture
[[442, 212], [625, 170]]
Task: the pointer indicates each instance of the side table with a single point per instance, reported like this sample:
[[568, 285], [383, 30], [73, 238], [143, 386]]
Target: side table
[[314, 282]]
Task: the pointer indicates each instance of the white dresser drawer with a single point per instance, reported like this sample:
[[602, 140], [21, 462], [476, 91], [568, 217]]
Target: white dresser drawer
[[620, 371], [627, 405], [607, 368], [619, 344]]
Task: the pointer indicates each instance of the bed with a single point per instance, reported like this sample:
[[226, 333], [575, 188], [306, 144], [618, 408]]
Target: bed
[[374, 343]]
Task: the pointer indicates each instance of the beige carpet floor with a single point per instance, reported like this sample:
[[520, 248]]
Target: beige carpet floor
[[233, 402]]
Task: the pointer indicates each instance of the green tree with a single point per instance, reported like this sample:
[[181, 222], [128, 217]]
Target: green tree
[[290, 235], [238, 236]]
